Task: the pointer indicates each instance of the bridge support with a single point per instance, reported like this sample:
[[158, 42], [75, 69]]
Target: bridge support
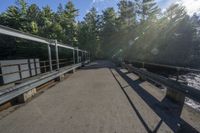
[[60, 78], [27, 95], [73, 71], [175, 96]]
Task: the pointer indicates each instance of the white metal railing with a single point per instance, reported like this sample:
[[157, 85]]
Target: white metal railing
[[19, 34]]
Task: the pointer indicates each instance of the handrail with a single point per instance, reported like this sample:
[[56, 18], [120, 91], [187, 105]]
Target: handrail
[[24, 87], [62, 61], [16, 33], [166, 66], [186, 90], [49, 42]]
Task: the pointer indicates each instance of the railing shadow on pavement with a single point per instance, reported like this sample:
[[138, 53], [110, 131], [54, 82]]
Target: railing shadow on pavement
[[168, 111]]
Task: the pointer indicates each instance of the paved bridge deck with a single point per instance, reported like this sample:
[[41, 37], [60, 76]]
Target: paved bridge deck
[[95, 99]]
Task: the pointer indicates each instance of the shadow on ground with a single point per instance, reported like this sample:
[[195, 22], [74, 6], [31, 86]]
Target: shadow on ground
[[168, 111]]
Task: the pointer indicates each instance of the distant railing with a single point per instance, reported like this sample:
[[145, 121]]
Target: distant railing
[[176, 68], [188, 91]]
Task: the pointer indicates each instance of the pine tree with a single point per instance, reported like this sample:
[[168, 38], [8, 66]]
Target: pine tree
[[33, 19], [69, 24], [148, 9], [109, 30], [127, 12], [90, 29]]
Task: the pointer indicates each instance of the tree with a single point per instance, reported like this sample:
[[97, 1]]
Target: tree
[[15, 16], [33, 18], [46, 22], [127, 22], [148, 9], [69, 24], [90, 29], [108, 31], [127, 13], [111, 33]]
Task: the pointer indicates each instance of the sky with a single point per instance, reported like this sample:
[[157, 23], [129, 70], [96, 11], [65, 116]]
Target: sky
[[85, 5]]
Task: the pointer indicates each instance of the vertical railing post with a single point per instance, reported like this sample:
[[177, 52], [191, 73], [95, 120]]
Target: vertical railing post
[[85, 56], [74, 59], [50, 59], [77, 55], [29, 67], [142, 64], [177, 74], [35, 66], [57, 57], [45, 69], [81, 56], [20, 71]]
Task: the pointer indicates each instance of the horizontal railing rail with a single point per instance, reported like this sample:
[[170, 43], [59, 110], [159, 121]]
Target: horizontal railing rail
[[178, 69], [46, 65], [17, 90], [188, 91], [165, 66], [48, 69], [19, 34], [49, 42]]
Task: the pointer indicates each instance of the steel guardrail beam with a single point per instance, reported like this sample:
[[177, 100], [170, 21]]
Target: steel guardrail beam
[[22, 88], [167, 66], [65, 46], [16, 33], [186, 90], [19, 34]]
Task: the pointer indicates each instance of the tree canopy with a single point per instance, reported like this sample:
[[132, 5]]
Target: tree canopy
[[137, 30]]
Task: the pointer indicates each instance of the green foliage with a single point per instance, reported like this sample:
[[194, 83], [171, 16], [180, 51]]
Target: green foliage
[[148, 9], [60, 25], [137, 31], [127, 13], [88, 34], [109, 32], [168, 40]]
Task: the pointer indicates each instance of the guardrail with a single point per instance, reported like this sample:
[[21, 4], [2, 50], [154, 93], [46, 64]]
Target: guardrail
[[49, 42], [29, 85], [169, 83], [51, 68], [176, 68], [44, 66]]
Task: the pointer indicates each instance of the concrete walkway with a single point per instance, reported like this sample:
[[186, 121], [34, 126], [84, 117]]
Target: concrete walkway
[[89, 101]]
